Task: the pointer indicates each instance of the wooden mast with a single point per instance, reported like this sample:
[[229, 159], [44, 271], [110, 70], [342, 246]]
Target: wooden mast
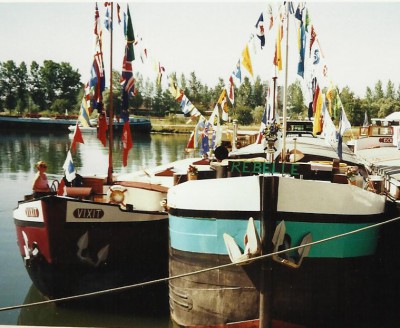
[[111, 112], [284, 126]]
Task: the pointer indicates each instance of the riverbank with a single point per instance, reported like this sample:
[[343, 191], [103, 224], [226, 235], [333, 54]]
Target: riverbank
[[159, 125]]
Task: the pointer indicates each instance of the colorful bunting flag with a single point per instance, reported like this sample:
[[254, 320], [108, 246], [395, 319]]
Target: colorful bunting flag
[[69, 168], [231, 90], [278, 49], [119, 13], [127, 81], [260, 30], [237, 72], [130, 38], [302, 50], [85, 110], [246, 61], [318, 117], [312, 37], [223, 104], [176, 92], [344, 125], [77, 137]]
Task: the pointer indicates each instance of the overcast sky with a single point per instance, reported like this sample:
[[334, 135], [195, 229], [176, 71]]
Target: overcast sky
[[360, 40]]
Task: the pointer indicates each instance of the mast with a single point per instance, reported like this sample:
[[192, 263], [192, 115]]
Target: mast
[[283, 154], [111, 112]]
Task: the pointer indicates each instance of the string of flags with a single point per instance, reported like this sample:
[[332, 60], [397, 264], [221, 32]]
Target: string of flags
[[311, 67]]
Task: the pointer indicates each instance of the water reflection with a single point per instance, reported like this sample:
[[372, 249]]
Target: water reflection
[[18, 154], [95, 314], [20, 151]]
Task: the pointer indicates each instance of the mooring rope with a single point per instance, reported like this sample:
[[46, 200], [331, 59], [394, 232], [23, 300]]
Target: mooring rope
[[157, 281]]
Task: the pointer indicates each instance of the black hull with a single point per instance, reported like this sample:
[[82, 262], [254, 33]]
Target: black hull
[[321, 293], [71, 260]]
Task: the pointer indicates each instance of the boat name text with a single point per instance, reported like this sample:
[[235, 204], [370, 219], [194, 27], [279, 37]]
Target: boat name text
[[386, 140], [88, 213], [263, 167], [32, 212]]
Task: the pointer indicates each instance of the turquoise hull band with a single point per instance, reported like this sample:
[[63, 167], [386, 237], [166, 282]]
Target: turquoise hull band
[[205, 235]]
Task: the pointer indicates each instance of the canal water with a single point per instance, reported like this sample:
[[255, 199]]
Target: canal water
[[18, 154]]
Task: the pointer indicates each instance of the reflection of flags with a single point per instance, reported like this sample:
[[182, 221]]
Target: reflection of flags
[[77, 137], [69, 168], [126, 142], [260, 30], [246, 61], [102, 129]]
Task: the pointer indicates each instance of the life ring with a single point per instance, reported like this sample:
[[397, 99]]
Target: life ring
[[116, 195]]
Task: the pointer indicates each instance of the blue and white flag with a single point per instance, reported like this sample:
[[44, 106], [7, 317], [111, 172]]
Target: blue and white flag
[[69, 168], [260, 30]]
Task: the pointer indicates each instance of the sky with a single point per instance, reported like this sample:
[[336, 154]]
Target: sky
[[360, 40]]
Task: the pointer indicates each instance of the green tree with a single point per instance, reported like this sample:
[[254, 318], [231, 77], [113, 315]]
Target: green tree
[[35, 87], [158, 107], [387, 106], [257, 114], [194, 88], [244, 115], [148, 93], [8, 83], [59, 106], [59, 81], [21, 79], [378, 94], [390, 90], [258, 93], [244, 93], [295, 99]]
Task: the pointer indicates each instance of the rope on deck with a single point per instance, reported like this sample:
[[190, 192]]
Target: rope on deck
[[256, 258]]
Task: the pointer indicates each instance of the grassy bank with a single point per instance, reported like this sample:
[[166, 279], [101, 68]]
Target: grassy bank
[[179, 125]]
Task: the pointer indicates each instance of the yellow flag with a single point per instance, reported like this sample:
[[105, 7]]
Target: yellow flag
[[278, 49], [318, 119], [246, 61]]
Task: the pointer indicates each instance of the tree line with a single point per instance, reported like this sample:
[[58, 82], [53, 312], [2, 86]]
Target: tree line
[[52, 88]]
